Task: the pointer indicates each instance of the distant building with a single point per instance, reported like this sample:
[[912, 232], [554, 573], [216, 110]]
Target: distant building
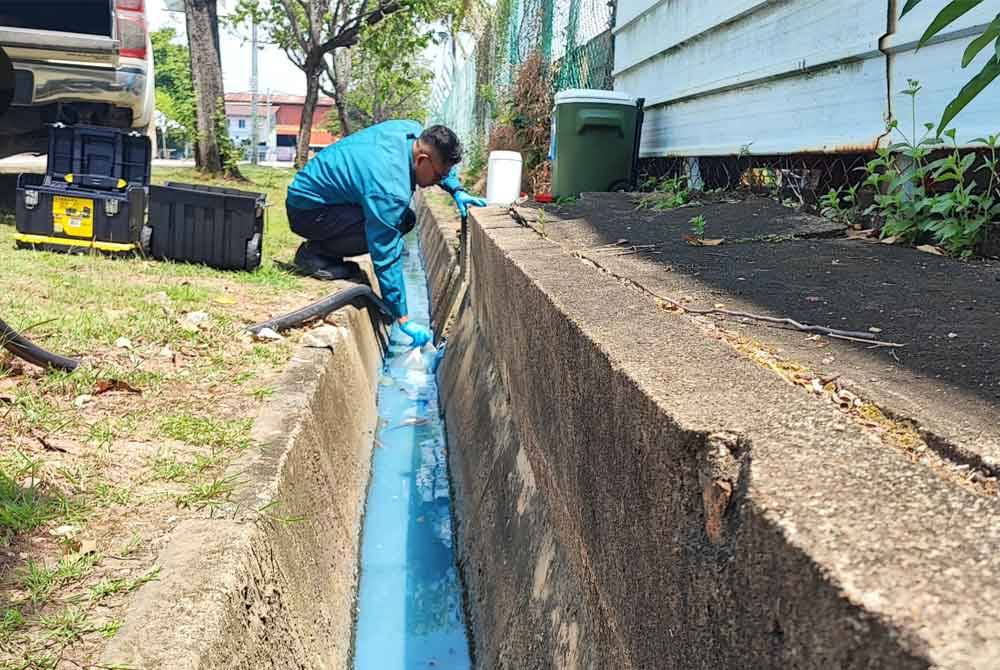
[[279, 119]]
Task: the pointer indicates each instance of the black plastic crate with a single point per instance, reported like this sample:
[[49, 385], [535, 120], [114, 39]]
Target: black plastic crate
[[56, 216], [94, 157], [219, 227], [92, 196]]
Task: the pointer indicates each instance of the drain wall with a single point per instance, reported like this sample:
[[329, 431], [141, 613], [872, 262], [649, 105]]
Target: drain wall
[[253, 590], [631, 494]]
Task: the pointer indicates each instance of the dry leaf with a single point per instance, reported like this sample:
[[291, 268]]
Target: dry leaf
[[160, 298], [860, 234], [192, 321], [267, 335], [700, 242], [87, 547], [64, 531], [109, 385], [226, 300], [930, 249], [123, 343], [890, 240]]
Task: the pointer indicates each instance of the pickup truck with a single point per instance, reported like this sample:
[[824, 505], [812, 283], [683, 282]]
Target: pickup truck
[[75, 61]]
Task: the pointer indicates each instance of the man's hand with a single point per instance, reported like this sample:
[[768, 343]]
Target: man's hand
[[420, 335], [463, 200]]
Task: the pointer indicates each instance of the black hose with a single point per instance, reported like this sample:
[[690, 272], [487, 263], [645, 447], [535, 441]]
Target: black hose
[[320, 309], [22, 347], [640, 116]]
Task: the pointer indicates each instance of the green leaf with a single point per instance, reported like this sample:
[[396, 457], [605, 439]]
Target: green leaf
[[953, 11], [942, 206], [968, 93], [981, 42], [910, 4], [968, 161]]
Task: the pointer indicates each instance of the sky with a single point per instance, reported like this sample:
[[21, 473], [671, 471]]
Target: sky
[[275, 71]]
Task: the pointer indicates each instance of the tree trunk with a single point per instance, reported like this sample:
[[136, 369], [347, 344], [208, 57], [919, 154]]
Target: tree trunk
[[206, 74], [313, 72], [341, 78], [345, 120]]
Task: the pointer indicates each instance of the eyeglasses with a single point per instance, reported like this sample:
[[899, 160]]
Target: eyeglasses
[[438, 174]]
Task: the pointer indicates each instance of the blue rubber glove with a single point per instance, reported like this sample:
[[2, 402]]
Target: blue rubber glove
[[463, 200], [420, 335]]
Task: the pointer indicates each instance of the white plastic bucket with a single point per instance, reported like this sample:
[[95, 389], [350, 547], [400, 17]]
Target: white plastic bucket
[[503, 178]]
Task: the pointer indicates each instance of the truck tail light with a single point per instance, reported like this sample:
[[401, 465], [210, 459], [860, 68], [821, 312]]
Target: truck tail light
[[131, 28]]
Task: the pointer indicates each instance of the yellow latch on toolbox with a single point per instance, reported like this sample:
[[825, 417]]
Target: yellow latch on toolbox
[[121, 183]]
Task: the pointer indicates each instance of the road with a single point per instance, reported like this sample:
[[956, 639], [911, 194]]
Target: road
[[31, 163], [15, 165]]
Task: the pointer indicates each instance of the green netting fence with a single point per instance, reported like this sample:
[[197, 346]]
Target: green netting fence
[[478, 71]]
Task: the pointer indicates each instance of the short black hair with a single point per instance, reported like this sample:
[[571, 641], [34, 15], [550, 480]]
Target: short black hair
[[445, 142]]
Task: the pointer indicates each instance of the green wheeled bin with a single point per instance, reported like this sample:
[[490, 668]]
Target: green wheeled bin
[[594, 141]]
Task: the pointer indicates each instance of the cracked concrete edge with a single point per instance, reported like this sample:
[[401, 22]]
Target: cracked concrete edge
[[254, 588], [820, 547]]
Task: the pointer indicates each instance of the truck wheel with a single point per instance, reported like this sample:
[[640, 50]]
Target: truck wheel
[[253, 253]]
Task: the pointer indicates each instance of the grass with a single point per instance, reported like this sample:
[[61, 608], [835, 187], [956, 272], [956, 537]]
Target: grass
[[208, 495], [11, 622], [67, 626], [77, 451], [111, 587], [203, 431], [22, 508]]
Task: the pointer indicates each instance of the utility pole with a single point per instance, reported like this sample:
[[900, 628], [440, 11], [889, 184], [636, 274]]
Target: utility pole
[[270, 128], [253, 92]]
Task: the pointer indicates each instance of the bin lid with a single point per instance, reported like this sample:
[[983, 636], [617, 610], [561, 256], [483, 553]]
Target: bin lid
[[576, 95], [505, 156]]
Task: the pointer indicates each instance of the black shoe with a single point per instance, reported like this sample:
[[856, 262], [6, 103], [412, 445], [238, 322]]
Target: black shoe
[[314, 264]]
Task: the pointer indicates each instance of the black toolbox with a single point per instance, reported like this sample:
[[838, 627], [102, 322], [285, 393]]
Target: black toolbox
[[220, 227], [92, 195]]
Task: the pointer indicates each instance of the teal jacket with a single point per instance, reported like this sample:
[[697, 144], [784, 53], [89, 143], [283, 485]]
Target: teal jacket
[[372, 168]]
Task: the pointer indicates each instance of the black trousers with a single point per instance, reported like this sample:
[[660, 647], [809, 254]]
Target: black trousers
[[338, 230]]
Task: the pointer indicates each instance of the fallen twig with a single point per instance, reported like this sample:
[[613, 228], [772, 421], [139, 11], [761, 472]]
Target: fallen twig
[[853, 336], [518, 217], [48, 446], [614, 249]]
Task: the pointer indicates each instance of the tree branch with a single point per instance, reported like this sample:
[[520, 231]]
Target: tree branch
[[315, 14], [294, 22], [296, 59], [351, 30]]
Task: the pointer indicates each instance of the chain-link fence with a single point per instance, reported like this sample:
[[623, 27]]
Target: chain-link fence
[[477, 71], [805, 176]]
